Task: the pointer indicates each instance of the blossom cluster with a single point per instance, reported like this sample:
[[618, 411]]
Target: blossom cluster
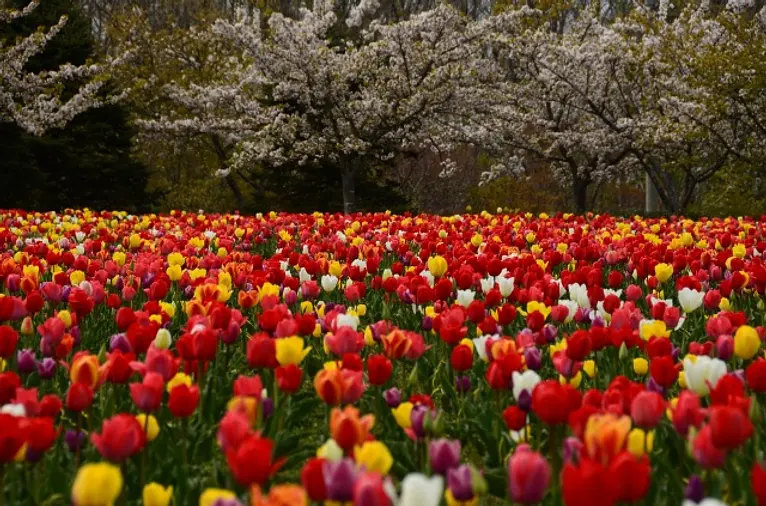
[[381, 359]]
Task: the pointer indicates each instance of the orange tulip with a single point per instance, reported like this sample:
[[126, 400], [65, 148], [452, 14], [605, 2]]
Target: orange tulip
[[330, 385], [279, 495], [348, 429], [85, 369], [605, 436]]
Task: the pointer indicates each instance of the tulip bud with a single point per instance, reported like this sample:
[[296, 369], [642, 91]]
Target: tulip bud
[[27, 327], [163, 339], [623, 353]]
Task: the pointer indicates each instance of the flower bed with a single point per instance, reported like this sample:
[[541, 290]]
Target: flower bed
[[379, 359]]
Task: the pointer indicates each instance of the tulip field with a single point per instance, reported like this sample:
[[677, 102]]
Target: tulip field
[[381, 360]]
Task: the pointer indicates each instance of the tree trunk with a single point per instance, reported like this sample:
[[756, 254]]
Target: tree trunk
[[652, 201], [580, 194], [235, 190], [348, 173]]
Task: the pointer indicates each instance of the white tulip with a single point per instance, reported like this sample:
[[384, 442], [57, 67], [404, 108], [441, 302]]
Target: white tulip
[[330, 451], [527, 380], [579, 294], [480, 343], [465, 297], [703, 374], [303, 275], [572, 307], [506, 285], [426, 274], [420, 490], [690, 300], [705, 502], [487, 284], [387, 274], [329, 282], [347, 320], [17, 410]]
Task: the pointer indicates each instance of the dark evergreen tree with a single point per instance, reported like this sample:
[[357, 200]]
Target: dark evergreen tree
[[88, 162]]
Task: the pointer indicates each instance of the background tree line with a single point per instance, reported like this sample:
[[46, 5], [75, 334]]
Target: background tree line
[[521, 104]]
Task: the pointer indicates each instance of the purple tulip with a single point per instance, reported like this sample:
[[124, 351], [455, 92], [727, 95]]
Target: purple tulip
[[75, 333], [528, 475], [46, 368], [550, 332], [25, 361], [427, 323], [393, 397], [227, 501], [444, 455], [460, 483], [525, 400], [533, 358], [572, 447], [653, 386], [695, 490], [370, 491], [120, 342], [418, 419], [74, 439], [268, 407], [462, 384], [724, 347], [339, 479], [65, 291]]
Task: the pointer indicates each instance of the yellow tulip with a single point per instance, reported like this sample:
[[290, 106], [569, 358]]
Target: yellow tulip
[[640, 442], [374, 456], [640, 366], [174, 272], [402, 414], [97, 485], [589, 366], [663, 272], [747, 342], [155, 494], [211, 495], [150, 426], [290, 350], [178, 380], [437, 266]]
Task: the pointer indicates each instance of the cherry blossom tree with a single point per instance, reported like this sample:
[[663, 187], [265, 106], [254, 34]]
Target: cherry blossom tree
[[306, 97], [44, 100]]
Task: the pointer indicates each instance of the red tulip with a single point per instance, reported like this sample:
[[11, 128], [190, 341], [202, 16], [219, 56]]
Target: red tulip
[[578, 345], [147, 395], [79, 397], [9, 338], [312, 478], [183, 400], [552, 402], [289, 378], [647, 409], [755, 374], [251, 463], [664, 371], [12, 437], [631, 477], [586, 484], [461, 358], [758, 481], [515, 418], [729, 427], [41, 433], [121, 437], [379, 369], [262, 351]]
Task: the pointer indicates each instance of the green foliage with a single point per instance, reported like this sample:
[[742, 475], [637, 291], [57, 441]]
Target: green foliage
[[88, 162]]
